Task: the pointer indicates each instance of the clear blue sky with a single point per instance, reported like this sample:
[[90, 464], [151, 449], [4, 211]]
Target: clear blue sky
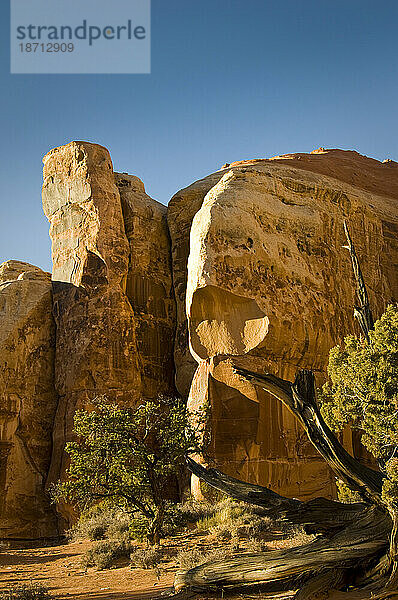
[[231, 79]]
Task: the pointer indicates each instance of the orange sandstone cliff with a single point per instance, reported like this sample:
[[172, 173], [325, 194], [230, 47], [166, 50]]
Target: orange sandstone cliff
[[245, 266]]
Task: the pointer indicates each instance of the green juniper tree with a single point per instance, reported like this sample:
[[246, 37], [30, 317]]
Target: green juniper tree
[[363, 393], [363, 388], [129, 456]]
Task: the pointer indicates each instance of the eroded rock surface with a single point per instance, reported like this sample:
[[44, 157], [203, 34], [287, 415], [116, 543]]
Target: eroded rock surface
[[27, 401], [180, 213], [149, 285], [248, 269], [113, 303], [269, 282]]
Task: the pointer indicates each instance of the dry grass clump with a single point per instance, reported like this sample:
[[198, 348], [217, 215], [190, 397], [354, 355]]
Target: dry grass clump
[[192, 511], [233, 520], [188, 559], [224, 519], [253, 545], [27, 591], [100, 524], [298, 537], [104, 553], [145, 558]]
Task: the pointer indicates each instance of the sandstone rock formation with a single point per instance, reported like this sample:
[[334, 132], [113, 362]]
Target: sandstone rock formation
[[149, 285], [244, 267], [269, 284], [112, 293], [27, 401]]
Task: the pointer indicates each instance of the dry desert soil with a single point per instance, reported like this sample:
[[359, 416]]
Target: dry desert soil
[[59, 569]]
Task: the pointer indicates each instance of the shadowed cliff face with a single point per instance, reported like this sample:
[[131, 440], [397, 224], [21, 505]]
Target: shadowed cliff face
[[268, 286], [149, 285], [244, 267]]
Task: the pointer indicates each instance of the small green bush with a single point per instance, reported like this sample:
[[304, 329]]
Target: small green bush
[[145, 558], [345, 494], [26, 591]]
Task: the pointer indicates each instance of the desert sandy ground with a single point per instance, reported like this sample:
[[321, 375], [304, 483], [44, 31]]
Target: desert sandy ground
[[59, 569]]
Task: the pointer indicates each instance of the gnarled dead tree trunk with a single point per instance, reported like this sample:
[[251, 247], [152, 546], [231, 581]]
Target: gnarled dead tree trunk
[[357, 543]]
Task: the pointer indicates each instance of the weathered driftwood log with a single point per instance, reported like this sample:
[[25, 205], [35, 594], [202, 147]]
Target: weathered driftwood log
[[299, 397], [319, 515], [361, 531], [362, 312], [349, 552], [357, 535]]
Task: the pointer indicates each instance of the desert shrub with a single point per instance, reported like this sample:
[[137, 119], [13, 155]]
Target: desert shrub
[[104, 553], [208, 523], [174, 520], [100, 523], [192, 510], [253, 545], [255, 526], [230, 520], [179, 516], [119, 526], [26, 591], [226, 517], [145, 558], [218, 554], [235, 543], [188, 559]]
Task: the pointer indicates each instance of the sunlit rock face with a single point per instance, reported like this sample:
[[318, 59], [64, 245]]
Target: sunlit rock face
[[27, 401], [245, 267], [268, 285], [113, 303]]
